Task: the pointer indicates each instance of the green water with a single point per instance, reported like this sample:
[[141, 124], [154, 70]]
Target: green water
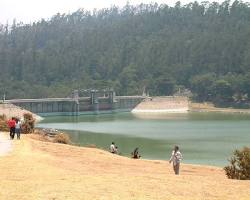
[[204, 138]]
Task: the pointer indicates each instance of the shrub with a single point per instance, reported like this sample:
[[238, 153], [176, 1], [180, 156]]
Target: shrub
[[3, 123], [239, 167], [28, 124], [3, 117], [40, 135], [62, 138]]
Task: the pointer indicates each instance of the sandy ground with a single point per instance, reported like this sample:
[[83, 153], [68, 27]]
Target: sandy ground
[[36, 170], [159, 105], [165, 104], [5, 145], [209, 107]]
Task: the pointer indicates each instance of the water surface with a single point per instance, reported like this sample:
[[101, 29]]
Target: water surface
[[204, 138]]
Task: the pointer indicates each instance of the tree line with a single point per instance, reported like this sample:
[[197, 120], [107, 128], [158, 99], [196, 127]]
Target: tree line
[[203, 47]]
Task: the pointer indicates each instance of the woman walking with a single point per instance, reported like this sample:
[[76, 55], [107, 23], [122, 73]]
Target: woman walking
[[176, 158], [18, 128]]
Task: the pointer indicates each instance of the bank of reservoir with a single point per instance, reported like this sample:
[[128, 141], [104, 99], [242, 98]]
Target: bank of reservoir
[[204, 138]]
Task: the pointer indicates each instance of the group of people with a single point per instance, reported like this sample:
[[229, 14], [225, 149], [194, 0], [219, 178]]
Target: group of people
[[114, 149], [15, 128], [175, 158]]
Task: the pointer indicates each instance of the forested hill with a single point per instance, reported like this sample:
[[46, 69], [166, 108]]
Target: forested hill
[[202, 47]]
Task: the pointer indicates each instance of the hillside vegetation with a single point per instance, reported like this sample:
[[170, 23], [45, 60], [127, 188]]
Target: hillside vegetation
[[201, 47]]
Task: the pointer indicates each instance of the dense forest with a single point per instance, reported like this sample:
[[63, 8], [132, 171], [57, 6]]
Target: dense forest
[[204, 48]]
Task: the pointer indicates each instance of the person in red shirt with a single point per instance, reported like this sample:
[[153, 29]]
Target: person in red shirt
[[12, 125]]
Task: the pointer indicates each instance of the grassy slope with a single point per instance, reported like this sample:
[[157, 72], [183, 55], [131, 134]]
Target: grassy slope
[[40, 170]]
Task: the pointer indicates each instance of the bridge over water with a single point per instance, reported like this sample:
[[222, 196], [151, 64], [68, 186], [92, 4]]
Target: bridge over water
[[80, 102]]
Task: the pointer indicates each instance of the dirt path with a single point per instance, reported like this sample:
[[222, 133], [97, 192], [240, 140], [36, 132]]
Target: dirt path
[[5, 144], [36, 170]]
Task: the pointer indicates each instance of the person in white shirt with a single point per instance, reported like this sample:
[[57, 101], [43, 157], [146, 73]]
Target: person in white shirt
[[113, 148], [18, 128], [176, 158]]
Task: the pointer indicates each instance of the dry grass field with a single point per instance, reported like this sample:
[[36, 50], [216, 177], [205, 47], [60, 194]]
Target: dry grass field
[[36, 170]]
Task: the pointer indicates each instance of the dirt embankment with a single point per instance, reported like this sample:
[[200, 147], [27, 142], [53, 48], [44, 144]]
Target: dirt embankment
[[175, 104], [10, 110], [167, 104], [209, 107], [37, 170]]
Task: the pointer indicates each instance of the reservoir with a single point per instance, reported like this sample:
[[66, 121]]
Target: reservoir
[[203, 138]]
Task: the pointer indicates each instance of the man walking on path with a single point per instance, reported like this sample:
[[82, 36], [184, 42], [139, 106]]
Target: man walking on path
[[12, 125], [176, 158]]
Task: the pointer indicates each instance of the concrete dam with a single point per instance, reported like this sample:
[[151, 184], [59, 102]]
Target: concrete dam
[[101, 101], [91, 102]]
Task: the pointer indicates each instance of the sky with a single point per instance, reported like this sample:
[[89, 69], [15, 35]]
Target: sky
[[28, 11]]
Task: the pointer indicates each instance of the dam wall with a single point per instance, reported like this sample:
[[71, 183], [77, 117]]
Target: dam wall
[[105, 102], [127, 103], [78, 106]]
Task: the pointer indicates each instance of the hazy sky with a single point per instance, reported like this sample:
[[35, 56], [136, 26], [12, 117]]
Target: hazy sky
[[32, 10]]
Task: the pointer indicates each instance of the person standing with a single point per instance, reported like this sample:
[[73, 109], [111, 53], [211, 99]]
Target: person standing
[[18, 128], [12, 125], [176, 158]]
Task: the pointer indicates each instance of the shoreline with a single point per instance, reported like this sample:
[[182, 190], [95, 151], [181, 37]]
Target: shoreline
[[36, 137], [209, 107], [159, 111], [126, 155], [33, 136], [175, 104], [42, 170], [192, 108]]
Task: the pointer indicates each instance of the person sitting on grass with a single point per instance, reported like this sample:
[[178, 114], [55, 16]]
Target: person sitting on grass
[[113, 148], [135, 154]]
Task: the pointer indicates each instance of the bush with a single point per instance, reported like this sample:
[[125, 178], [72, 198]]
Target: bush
[[40, 135], [62, 138], [239, 167], [3, 123], [28, 124]]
